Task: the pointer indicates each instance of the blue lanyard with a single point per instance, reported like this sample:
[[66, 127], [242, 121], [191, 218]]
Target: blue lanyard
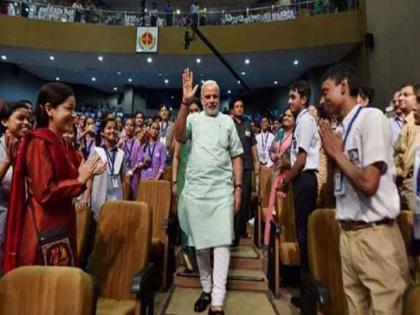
[[264, 147], [129, 151], [353, 119], [111, 160], [153, 150]]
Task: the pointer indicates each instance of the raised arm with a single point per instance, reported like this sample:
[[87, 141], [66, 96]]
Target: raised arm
[[188, 92]]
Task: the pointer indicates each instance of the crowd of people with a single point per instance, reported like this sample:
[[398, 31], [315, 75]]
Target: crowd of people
[[53, 158]]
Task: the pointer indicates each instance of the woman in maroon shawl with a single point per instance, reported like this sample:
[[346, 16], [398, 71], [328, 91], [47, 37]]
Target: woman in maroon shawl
[[45, 181]]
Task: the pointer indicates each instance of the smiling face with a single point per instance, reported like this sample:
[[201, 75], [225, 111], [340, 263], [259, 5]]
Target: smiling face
[[288, 120], [139, 120], [61, 118], [18, 122], [154, 130], [296, 101], [210, 99], [238, 109], [333, 95], [407, 99], [129, 127], [164, 113], [109, 134]]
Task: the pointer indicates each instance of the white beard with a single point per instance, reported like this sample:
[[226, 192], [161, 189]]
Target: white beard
[[212, 112]]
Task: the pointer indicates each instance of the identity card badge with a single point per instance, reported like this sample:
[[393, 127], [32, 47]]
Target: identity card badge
[[339, 189]]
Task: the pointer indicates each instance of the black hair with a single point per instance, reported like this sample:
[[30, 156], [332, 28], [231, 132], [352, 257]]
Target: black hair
[[27, 102], [197, 101], [54, 94], [340, 72], [232, 103], [7, 110], [138, 112], [367, 92], [303, 89], [162, 106]]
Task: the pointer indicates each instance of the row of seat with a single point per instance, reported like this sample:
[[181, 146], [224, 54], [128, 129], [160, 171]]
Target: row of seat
[[134, 245], [325, 281]]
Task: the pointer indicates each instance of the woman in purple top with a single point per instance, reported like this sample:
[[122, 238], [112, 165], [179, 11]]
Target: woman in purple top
[[131, 147], [153, 156]]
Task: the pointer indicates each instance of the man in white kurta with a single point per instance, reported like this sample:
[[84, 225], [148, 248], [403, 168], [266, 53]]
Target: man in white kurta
[[212, 188]]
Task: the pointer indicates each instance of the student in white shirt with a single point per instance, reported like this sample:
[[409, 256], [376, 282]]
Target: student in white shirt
[[264, 141], [373, 255], [304, 158], [108, 185]]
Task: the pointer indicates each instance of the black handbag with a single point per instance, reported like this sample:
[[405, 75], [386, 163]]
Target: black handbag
[[54, 246]]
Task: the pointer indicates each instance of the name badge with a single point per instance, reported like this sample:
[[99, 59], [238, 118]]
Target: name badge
[[114, 181], [248, 133], [339, 189]]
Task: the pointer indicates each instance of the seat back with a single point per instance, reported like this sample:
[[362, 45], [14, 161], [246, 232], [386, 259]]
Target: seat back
[[41, 290], [412, 301], [167, 174], [265, 185], [324, 257], [122, 246], [83, 221], [158, 195], [405, 221], [286, 214]]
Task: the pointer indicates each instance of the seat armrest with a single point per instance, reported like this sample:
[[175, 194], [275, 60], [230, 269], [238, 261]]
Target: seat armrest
[[277, 226], [169, 223], [142, 284], [316, 289]]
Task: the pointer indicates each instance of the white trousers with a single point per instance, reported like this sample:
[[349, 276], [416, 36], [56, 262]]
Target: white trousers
[[221, 257]]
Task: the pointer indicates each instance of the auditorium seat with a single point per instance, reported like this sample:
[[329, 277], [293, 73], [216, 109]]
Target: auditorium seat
[[40, 290], [284, 248], [412, 301], [83, 221], [167, 174], [264, 196], [324, 287], [126, 188], [120, 258], [158, 194]]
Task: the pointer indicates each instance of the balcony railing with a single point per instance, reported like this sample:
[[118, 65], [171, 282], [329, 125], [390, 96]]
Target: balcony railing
[[279, 12]]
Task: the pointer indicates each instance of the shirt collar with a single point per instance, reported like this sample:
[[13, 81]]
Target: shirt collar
[[350, 115]]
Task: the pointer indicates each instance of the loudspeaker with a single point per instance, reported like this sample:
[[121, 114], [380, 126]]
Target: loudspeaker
[[120, 98], [369, 41]]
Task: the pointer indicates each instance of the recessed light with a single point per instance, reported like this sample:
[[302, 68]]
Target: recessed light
[[100, 58], [229, 91], [130, 80], [119, 73], [247, 61], [166, 81], [202, 81], [243, 72], [159, 74], [149, 59], [93, 79], [178, 11], [296, 62], [172, 97], [276, 82], [115, 88], [3, 57], [239, 82], [171, 109], [57, 78], [198, 60], [52, 58]]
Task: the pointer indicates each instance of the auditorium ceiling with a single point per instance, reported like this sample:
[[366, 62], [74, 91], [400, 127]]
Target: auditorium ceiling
[[110, 72]]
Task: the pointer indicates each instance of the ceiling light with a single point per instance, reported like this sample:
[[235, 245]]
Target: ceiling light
[[247, 61], [160, 74], [172, 97], [166, 81], [202, 81], [276, 82], [178, 11], [149, 59], [93, 79], [243, 72], [115, 88], [229, 92], [119, 73], [52, 58], [100, 58], [3, 57], [198, 60], [57, 78], [296, 62], [239, 82], [130, 80]]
